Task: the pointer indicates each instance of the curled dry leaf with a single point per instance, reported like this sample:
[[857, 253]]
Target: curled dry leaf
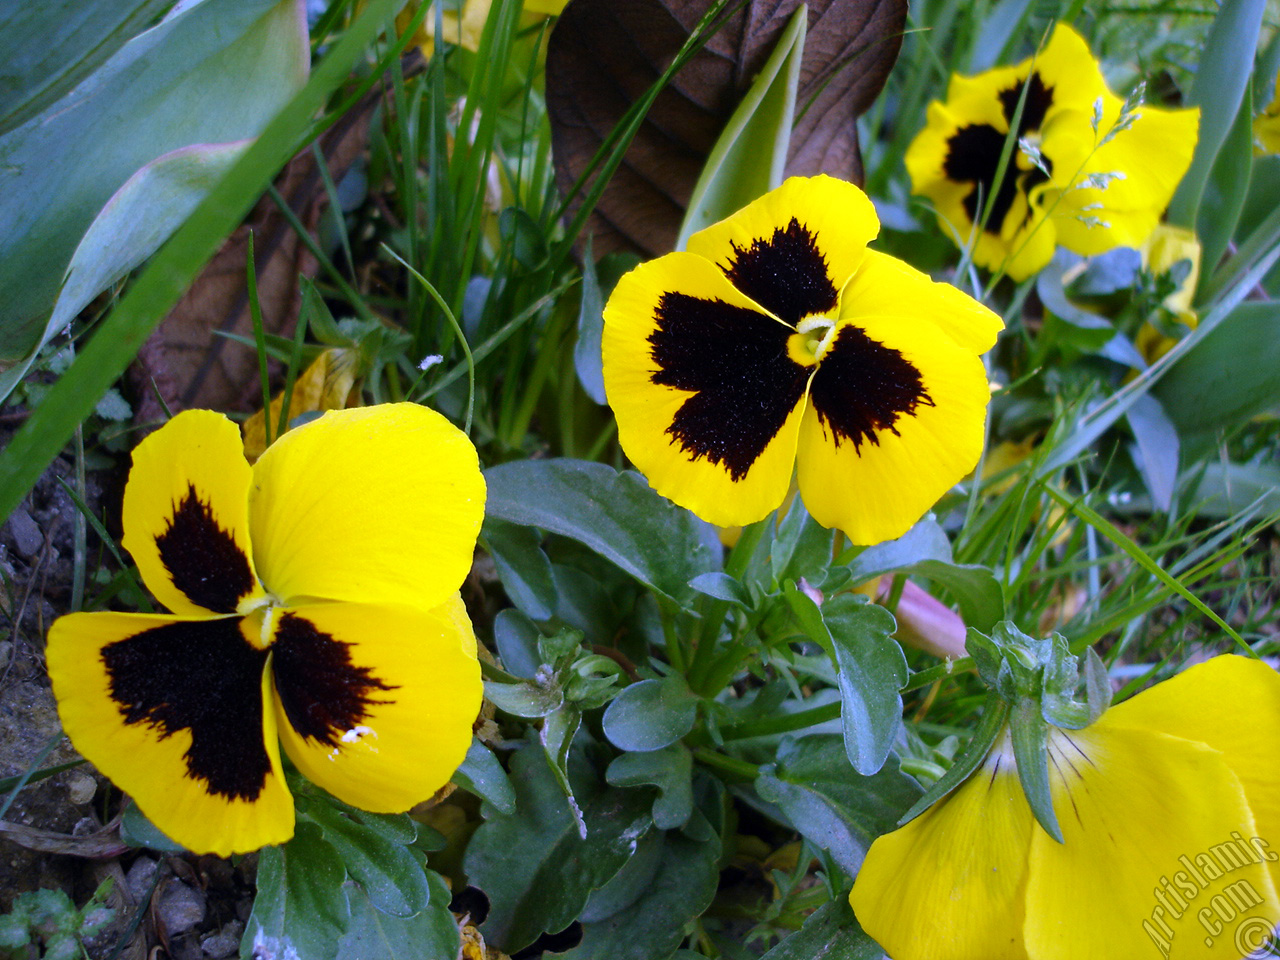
[[604, 55]]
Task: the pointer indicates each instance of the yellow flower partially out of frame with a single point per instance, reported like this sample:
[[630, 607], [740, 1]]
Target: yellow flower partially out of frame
[[464, 22], [779, 342], [314, 601], [1101, 182], [1170, 813], [1266, 126]]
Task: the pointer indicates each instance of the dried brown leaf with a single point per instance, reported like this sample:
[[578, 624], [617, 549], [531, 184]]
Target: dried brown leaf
[[603, 55]]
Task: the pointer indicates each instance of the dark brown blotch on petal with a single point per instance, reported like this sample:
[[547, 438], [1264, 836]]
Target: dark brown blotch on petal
[[735, 363], [862, 387], [204, 561], [973, 155], [786, 274], [201, 676], [323, 693]]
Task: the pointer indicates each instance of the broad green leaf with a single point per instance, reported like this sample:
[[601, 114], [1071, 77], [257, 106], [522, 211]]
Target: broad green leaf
[[1226, 490], [801, 547], [1230, 375], [516, 637], [629, 883], [373, 935], [830, 803], [925, 541], [481, 774], [670, 770], [170, 272], [751, 152], [651, 927], [651, 714], [831, 933], [47, 48], [213, 74], [616, 514], [1222, 75], [872, 672], [582, 603], [534, 866], [300, 908], [721, 586], [1155, 450], [529, 699], [523, 568], [393, 876], [1226, 188]]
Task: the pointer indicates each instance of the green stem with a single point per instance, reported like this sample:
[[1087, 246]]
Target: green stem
[[730, 765], [785, 723]]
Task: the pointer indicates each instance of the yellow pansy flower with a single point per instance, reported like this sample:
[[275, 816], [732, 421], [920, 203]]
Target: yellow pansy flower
[[314, 603], [1167, 247], [779, 342], [464, 22], [1266, 126], [1088, 173], [1169, 806]]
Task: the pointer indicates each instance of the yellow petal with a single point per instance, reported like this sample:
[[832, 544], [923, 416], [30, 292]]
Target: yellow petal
[[185, 515], [792, 250], [375, 703], [707, 399], [1066, 66], [324, 385], [171, 710], [377, 505], [1132, 803], [891, 426], [950, 884], [1231, 704]]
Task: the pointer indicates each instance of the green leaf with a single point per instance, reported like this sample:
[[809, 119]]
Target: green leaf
[[47, 48], [975, 588], [994, 714], [1231, 375], [721, 586], [1222, 75], [300, 908], [829, 803], [1155, 450], [829, 933], [1031, 752], [652, 926], [481, 774], [751, 152], [872, 672], [137, 831], [529, 700], [523, 568], [670, 770], [556, 736], [169, 273], [587, 358], [374, 935], [516, 637], [1227, 187], [615, 514], [651, 714], [534, 866], [210, 75], [801, 547], [393, 876]]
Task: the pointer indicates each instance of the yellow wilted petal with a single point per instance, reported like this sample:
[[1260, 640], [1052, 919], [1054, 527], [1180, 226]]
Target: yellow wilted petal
[[326, 384]]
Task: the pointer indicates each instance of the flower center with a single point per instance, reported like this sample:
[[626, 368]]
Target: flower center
[[811, 340], [260, 617]]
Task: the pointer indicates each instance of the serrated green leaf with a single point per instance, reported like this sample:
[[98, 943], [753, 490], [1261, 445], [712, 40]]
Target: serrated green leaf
[[651, 714], [481, 774], [300, 905], [872, 672], [829, 933], [534, 866], [829, 802], [615, 514], [393, 877], [751, 152], [670, 770]]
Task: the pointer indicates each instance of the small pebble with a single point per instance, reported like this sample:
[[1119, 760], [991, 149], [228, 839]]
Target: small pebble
[[138, 879], [6, 653], [179, 906], [223, 943], [80, 787], [26, 534]]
